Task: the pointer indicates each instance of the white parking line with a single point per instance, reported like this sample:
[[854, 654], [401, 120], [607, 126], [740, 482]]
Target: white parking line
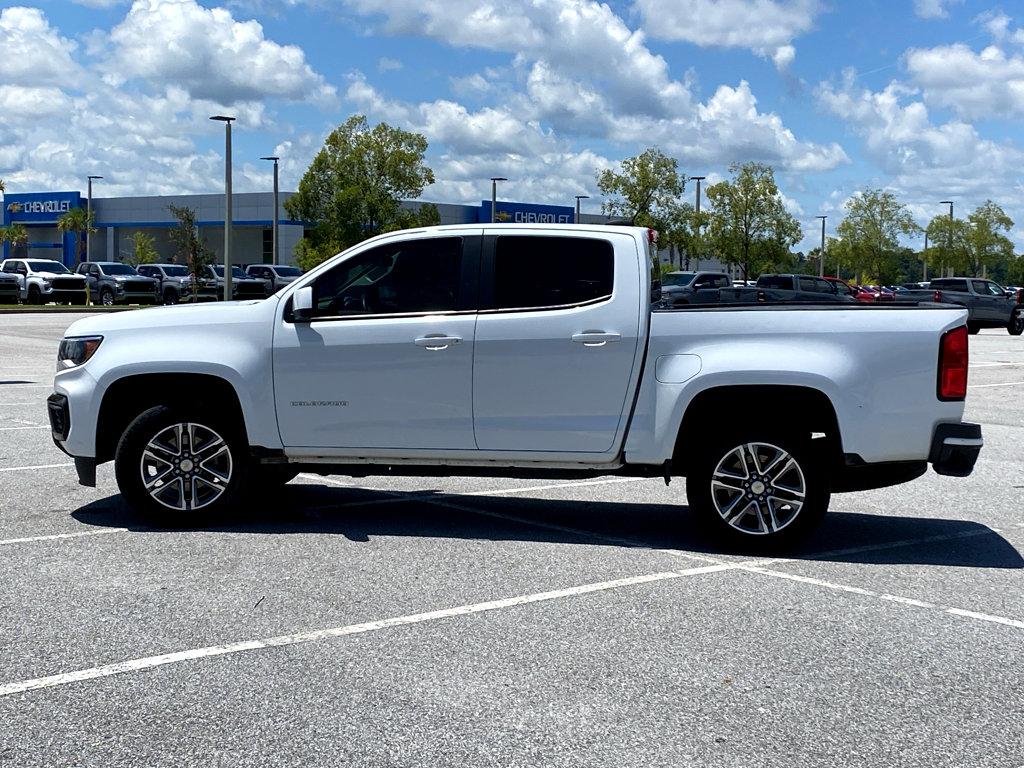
[[884, 596], [70, 535], [32, 427], [146, 663], [1000, 384], [34, 467], [993, 365]]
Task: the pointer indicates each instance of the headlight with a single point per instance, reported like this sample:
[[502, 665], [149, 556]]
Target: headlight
[[46, 283], [76, 350]]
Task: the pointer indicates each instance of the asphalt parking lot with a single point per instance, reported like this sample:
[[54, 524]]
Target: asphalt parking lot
[[479, 621]]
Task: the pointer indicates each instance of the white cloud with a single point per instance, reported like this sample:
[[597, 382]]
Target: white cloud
[[209, 53], [923, 161], [767, 27], [933, 9], [975, 84], [576, 37], [385, 64], [32, 52]]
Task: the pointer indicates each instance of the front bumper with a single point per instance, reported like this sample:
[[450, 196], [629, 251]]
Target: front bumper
[[955, 448]]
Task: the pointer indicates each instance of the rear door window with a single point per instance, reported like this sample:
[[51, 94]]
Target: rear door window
[[532, 273]]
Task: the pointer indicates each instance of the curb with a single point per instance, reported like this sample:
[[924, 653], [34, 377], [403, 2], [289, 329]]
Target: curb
[[35, 310]]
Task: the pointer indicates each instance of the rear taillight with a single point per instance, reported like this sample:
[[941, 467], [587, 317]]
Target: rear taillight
[[1020, 296], [953, 365], [937, 297]]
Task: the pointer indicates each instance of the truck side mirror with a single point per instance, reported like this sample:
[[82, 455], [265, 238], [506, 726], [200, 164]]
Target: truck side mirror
[[302, 305]]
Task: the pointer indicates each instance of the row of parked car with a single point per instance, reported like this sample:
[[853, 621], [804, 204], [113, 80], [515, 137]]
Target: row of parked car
[[41, 281], [989, 305]]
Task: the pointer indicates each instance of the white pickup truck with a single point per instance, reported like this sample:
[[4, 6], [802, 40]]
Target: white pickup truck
[[515, 350]]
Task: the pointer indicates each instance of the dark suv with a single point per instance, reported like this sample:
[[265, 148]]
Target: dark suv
[[680, 287]]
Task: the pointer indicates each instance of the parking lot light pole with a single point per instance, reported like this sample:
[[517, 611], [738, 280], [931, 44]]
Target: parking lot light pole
[[494, 196], [821, 254], [578, 199], [696, 208], [275, 159], [949, 238], [88, 218], [924, 256], [227, 204]]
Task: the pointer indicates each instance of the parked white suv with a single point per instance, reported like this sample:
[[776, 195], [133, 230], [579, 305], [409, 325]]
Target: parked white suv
[[525, 350], [44, 280]]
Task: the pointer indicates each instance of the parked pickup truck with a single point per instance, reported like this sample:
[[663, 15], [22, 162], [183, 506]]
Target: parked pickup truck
[[211, 283], [988, 304], [117, 283], [515, 350], [174, 281], [10, 291], [680, 287], [44, 280], [801, 288]]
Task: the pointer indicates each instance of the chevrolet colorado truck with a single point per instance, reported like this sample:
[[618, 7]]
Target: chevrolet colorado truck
[[515, 350], [988, 304]]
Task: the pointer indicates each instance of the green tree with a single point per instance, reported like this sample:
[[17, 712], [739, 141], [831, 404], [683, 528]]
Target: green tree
[[871, 230], [986, 239], [79, 222], [15, 234], [683, 230], [749, 225], [644, 192], [187, 243], [353, 188], [143, 250], [947, 245]]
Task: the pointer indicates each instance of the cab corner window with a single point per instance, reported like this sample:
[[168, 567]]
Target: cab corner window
[[401, 278], [541, 272]]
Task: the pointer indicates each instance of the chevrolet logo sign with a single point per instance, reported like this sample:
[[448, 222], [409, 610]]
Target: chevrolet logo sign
[[503, 216], [14, 207]]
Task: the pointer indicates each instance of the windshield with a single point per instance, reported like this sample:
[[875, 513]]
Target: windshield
[[678, 278], [40, 266], [176, 271], [119, 269], [288, 272], [236, 272]]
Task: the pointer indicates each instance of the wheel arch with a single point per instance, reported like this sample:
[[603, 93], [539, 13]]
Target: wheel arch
[[792, 407], [128, 396]]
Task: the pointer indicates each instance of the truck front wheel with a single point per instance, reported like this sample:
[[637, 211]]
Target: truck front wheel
[[176, 466], [759, 489]]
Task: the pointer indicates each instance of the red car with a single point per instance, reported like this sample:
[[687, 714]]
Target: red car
[[842, 287]]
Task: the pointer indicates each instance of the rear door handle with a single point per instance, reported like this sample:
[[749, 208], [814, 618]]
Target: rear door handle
[[596, 338], [437, 341]]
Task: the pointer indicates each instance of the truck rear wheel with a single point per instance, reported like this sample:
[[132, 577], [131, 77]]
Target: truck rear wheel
[[1016, 324], [759, 489], [177, 467]]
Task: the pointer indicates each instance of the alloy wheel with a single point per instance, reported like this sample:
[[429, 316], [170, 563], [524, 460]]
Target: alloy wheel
[[186, 466], [758, 488]]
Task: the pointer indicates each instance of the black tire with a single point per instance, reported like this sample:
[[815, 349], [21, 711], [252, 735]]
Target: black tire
[[171, 296], [35, 296], [779, 524], [1016, 324], [194, 491], [106, 297], [973, 328]]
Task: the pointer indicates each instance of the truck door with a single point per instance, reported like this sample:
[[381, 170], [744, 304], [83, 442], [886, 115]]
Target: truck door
[[387, 360], [989, 306], [556, 340]]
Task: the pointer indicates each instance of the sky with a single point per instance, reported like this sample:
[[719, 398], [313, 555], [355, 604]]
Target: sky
[[920, 97]]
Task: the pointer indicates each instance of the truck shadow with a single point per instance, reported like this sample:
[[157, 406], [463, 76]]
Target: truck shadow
[[362, 514]]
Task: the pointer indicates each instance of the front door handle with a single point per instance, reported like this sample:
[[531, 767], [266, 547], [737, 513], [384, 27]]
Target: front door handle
[[595, 338], [437, 341]]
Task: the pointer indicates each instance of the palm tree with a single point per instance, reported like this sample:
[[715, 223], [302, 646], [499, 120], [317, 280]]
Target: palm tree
[[78, 221], [15, 234]]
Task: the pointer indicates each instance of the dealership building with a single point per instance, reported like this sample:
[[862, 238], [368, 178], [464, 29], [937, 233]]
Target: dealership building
[[118, 220]]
